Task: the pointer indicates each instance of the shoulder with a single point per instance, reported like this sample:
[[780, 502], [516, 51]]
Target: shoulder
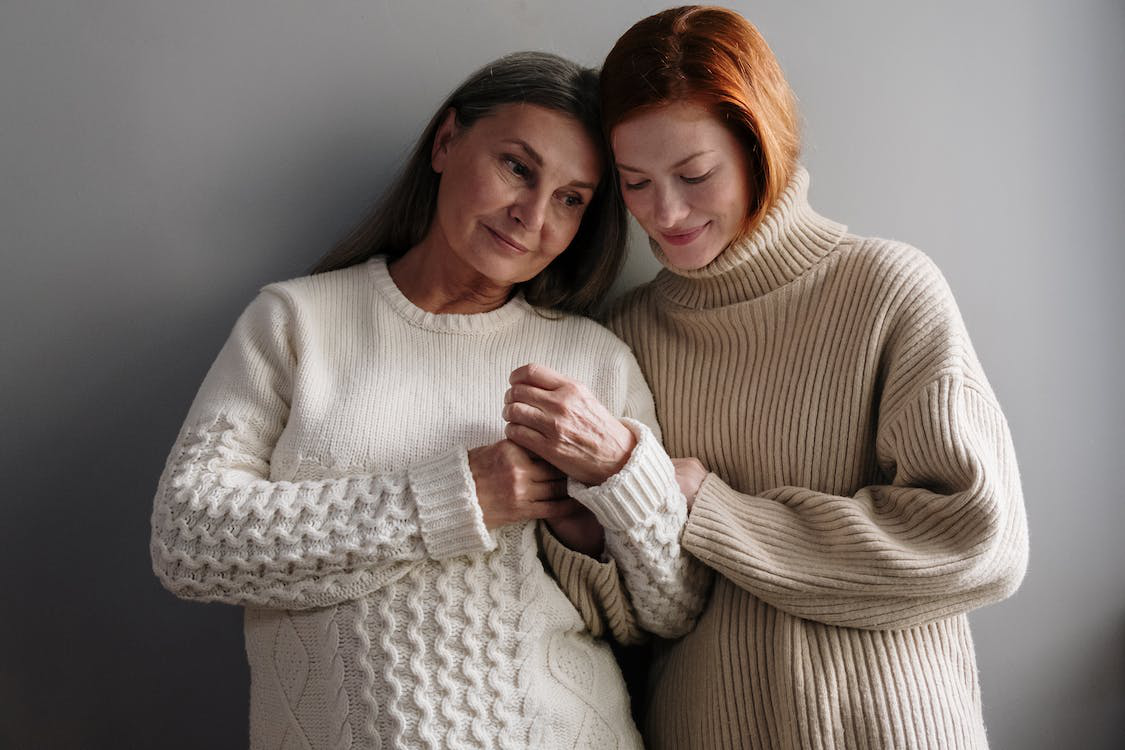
[[322, 287], [890, 263]]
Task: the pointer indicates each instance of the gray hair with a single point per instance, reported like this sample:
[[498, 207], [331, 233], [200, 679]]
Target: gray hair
[[579, 278]]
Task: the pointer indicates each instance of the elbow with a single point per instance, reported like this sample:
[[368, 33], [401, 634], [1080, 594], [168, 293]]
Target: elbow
[[174, 569]]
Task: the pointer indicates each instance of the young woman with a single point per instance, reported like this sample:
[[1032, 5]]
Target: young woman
[[854, 487], [342, 473]]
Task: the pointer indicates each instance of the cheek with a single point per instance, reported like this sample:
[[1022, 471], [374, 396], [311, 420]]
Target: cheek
[[637, 203], [725, 199], [561, 233]]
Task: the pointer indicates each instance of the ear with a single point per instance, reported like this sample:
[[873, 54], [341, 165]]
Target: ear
[[439, 151]]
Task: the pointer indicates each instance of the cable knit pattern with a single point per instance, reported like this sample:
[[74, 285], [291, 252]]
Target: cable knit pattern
[[321, 480], [864, 494], [643, 523]]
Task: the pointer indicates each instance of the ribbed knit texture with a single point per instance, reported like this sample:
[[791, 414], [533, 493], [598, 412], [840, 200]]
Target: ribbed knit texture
[[864, 493], [321, 480]]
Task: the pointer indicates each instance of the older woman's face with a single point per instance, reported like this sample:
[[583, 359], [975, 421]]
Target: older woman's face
[[685, 178], [513, 189]]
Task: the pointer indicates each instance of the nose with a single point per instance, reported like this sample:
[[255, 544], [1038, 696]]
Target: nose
[[669, 208], [529, 210]]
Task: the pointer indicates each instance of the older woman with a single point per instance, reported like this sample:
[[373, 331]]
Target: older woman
[[342, 473], [854, 487]]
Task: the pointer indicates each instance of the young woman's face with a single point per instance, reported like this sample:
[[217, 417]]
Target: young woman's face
[[685, 178], [513, 189]]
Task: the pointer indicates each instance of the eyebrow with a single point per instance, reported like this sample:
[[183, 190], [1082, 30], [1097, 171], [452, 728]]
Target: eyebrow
[[535, 157], [680, 163]]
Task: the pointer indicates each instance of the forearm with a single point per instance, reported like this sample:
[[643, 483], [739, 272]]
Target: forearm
[[594, 588], [946, 536], [644, 512], [221, 535]]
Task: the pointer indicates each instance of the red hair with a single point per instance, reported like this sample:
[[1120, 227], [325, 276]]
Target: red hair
[[716, 58]]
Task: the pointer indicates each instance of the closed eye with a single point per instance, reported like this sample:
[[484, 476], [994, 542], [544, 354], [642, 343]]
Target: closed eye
[[699, 179], [638, 185]]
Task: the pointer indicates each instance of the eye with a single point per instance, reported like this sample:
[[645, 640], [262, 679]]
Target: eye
[[638, 185], [516, 167], [573, 200], [697, 180]]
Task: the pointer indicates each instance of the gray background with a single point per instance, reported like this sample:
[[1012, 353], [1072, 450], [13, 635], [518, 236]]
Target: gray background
[[161, 160]]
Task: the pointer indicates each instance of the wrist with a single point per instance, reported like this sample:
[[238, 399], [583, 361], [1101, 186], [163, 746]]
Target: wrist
[[624, 443]]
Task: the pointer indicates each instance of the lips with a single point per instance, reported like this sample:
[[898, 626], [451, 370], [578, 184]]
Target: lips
[[505, 241], [683, 236]]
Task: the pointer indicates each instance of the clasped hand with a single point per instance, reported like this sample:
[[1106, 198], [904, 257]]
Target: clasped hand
[[556, 428], [559, 420]]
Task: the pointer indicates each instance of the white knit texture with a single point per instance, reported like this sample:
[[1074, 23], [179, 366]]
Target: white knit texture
[[321, 480]]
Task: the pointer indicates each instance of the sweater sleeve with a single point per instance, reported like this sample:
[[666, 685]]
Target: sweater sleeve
[[644, 513], [946, 531], [223, 531], [594, 588]]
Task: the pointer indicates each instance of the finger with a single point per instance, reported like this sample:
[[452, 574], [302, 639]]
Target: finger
[[552, 490], [537, 375], [528, 439], [542, 471], [529, 394], [528, 416], [549, 509]]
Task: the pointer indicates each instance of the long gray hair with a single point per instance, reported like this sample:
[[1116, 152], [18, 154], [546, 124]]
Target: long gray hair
[[579, 278]]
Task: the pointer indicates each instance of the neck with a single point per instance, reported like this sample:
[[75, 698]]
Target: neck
[[432, 277], [791, 240]]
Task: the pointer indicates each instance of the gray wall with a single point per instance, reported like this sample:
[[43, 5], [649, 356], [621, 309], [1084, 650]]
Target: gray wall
[[161, 160]]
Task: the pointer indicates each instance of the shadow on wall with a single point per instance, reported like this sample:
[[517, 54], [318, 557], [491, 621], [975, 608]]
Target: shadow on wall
[[99, 654]]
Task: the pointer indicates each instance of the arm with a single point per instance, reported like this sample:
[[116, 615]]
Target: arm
[[222, 531], [946, 535], [594, 588], [639, 504], [943, 532]]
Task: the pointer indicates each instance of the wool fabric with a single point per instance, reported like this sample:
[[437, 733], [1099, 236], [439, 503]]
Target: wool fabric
[[321, 481], [863, 494]]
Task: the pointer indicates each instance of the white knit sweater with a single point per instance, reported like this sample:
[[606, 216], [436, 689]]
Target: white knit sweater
[[321, 480]]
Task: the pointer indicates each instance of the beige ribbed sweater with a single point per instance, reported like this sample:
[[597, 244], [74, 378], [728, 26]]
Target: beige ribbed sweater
[[864, 494]]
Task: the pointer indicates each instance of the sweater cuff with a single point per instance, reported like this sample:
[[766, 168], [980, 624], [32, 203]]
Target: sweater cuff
[[707, 522], [449, 514], [632, 496], [569, 564]]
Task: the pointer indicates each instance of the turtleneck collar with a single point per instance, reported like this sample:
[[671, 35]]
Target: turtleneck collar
[[791, 239]]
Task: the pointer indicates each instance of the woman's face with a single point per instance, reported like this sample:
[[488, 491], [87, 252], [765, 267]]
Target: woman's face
[[685, 178], [513, 189]]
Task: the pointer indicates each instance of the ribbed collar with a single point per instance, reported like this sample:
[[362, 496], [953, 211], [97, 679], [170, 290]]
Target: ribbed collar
[[471, 323], [791, 239]]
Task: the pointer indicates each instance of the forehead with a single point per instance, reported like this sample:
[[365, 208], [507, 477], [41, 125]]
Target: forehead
[[667, 133], [559, 139]]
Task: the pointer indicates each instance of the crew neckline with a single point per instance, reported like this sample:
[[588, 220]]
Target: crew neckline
[[463, 323]]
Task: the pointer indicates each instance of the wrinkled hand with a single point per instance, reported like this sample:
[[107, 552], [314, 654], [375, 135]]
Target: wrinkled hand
[[513, 486], [690, 473], [559, 420]]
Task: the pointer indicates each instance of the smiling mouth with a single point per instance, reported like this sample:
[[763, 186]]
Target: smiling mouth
[[506, 241], [684, 237]]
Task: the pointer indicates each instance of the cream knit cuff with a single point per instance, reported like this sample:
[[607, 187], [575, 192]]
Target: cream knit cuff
[[449, 515], [637, 493]]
